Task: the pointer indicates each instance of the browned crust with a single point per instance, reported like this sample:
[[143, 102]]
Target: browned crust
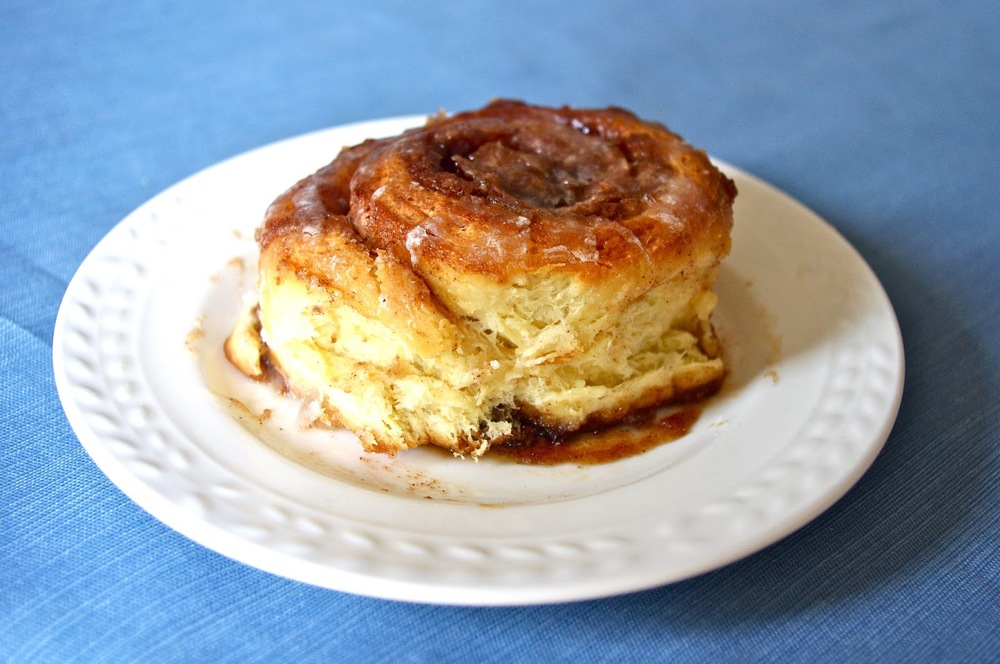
[[634, 196]]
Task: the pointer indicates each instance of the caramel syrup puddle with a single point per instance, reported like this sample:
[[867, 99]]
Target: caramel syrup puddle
[[638, 435]]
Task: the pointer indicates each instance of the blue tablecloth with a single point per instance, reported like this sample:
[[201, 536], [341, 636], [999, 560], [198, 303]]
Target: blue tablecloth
[[883, 117]]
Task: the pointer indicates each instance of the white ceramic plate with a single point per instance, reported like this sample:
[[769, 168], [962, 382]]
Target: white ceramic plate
[[816, 376]]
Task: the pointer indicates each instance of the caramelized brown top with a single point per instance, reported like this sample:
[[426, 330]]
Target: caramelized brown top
[[512, 189]]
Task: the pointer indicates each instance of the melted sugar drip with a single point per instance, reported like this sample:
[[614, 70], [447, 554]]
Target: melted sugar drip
[[637, 436]]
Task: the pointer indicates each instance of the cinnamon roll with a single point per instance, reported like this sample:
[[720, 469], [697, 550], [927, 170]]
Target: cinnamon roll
[[492, 272]]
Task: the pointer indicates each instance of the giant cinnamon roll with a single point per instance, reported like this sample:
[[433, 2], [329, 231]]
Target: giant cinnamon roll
[[493, 272]]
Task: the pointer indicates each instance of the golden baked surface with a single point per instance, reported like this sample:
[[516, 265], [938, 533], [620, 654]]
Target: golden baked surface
[[511, 267]]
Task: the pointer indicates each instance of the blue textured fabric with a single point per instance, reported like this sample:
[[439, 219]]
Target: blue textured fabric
[[880, 116]]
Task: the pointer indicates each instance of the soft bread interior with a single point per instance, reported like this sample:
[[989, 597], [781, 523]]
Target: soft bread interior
[[374, 349]]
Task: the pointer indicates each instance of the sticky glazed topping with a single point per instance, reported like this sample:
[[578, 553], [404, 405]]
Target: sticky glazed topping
[[514, 188]]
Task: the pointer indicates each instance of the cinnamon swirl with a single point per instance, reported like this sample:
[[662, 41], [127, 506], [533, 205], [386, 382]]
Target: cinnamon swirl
[[493, 271]]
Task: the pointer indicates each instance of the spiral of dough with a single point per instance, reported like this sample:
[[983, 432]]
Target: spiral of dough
[[515, 266]]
